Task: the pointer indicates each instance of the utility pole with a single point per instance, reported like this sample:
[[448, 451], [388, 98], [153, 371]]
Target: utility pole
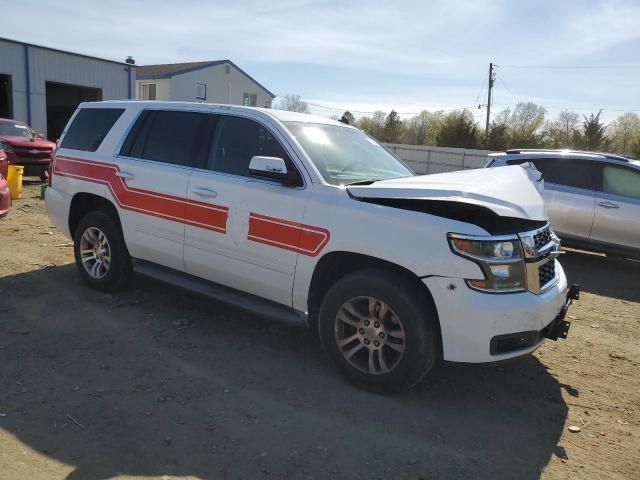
[[491, 80]]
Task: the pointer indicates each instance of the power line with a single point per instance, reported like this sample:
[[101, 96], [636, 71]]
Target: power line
[[472, 108], [583, 109], [570, 67], [361, 112], [508, 89], [484, 82]]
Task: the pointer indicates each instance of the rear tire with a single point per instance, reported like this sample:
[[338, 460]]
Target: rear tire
[[380, 330], [101, 253]]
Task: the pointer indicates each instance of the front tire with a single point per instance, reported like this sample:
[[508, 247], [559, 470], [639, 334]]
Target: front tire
[[380, 330], [101, 253]]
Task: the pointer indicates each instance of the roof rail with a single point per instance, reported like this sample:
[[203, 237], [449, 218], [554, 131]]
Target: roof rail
[[610, 156]]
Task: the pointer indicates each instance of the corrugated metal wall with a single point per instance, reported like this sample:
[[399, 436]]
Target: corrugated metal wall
[[47, 65], [427, 159], [12, 63]]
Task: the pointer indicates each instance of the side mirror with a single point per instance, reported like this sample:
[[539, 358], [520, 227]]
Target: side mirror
[[268, 167]]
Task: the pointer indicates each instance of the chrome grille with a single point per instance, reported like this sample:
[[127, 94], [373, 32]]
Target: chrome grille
[[542, 238], [546, 272], [540, 261]]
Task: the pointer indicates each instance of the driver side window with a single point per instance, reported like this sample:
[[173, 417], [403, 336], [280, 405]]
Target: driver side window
[[237, 140]]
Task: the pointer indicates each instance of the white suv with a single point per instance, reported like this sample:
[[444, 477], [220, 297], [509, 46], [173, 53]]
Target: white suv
[[308, 220]]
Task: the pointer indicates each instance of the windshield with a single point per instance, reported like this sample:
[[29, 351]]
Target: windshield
[[15, 130], [346, 155]]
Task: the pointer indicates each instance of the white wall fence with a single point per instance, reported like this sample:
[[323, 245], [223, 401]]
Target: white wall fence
[[425, 159]]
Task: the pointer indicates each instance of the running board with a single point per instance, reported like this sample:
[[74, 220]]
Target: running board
[[245, 301]]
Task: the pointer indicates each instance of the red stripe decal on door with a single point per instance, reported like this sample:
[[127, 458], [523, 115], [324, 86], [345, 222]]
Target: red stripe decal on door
[[297, 237], [177, 209]]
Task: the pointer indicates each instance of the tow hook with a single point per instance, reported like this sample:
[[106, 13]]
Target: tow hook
[[574, 292], [559, 328]]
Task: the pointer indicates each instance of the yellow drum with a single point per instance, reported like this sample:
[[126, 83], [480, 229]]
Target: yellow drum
[[14, 180]]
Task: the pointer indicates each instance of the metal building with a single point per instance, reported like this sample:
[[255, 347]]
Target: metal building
[[42, 86]]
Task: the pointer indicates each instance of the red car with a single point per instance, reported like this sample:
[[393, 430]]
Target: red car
[[5, 198], [24, 146], [4, 163]]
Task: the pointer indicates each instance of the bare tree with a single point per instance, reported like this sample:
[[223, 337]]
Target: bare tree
[[563, 131], [525, 123], [624, 132], [293, 103]]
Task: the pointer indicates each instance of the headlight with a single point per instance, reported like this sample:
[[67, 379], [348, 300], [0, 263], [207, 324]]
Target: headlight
[[500, 259], [6, 147]]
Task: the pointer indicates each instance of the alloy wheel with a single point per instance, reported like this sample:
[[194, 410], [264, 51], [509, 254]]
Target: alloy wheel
[[95, 252], [369, 335]]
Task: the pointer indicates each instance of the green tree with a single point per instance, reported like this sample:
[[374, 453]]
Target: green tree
[[392, 128], [348, 118], [373, 125], [293, 103], [525, 124], [458, 130], [593, 132], [422, 129], [499, 133]]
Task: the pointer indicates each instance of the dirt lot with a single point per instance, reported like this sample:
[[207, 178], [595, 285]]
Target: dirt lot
[[96, 386]]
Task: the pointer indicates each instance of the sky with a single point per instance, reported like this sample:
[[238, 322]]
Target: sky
[[368, 55]]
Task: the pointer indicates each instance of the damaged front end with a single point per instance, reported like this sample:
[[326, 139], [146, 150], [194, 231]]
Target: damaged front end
[[517, 254], [512, 263]]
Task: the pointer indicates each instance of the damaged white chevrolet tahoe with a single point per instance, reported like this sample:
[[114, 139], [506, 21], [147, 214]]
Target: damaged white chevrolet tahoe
[[307, 220]]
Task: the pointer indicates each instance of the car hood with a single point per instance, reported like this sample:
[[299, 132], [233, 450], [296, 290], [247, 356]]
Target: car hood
[[26, 142], [508, 191]]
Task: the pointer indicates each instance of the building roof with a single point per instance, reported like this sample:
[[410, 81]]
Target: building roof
[[26, 44], [168, 70]]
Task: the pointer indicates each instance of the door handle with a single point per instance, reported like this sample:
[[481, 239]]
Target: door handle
[[205, 192], [608, 205], [125, 175]]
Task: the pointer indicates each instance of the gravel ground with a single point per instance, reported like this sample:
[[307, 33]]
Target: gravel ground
[[160, 383]]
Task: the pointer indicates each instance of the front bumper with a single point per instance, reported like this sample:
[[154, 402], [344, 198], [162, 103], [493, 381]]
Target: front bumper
[[469, 319], [558, 328]]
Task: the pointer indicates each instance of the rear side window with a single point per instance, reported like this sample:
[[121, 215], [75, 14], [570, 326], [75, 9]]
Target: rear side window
[[89, 127], [621, 181], [569, 172], [240, 139], [169, 136]]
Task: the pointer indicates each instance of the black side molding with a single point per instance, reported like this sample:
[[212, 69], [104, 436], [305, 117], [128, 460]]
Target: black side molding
[[221, 293]]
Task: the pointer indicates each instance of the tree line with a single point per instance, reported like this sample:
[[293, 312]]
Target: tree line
[[526, 126]]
